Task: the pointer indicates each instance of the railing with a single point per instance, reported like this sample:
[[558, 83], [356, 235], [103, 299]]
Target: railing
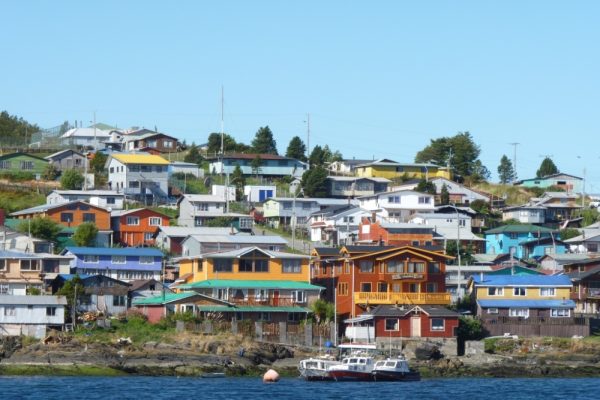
[[281, 302], [591, 292], [401, 298]]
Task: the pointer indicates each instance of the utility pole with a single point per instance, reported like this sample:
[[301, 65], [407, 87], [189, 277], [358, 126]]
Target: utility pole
[[307, 136], [95, 138], [514, 144]]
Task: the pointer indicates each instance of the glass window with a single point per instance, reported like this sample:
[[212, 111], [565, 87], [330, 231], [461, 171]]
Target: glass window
[[50, 311], [437, 324], [133, 221], [433, 268], [89, 217], [222, 265], [519, 291], [291, 266], [365, 287], [66, 217], [392, 324], [342, 289], [10, 311], [560, 312], [146, 260], [110, 200], [90, 258], [118, 259], [119, 301], [548, 291], [492, 310], [298, 296], [30, 265], [155, 221], [518, 312], [431, 287], [424, 200], [3, 265], [366, 266], [495, 291], [148, 236]]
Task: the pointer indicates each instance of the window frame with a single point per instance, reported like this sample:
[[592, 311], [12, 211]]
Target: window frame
[[113, 259], [435, 327], [396, 325], [519, 291], [291, 266], [155, 221], [132, 220], [551, 289]]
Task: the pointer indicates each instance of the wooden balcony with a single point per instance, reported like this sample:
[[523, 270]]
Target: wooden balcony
[[375, 298]]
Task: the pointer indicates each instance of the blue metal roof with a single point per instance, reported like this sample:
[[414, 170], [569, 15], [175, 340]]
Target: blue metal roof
[[523, 280], [10, 254], [487, 303], [68, 277], [114, 251]]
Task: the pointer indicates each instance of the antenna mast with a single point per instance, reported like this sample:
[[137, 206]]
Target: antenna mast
[[515, 144], [307, 135]]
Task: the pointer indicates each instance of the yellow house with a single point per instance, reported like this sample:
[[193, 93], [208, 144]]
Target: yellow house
[[390, 169], [20, 272], [523, 296]]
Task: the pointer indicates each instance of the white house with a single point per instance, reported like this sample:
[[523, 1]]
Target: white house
[[180, 167], [109, 199], [525, 214], [227, 193], [336, 225], [259, 193], [89, 137], [399, 205], [198, 209], [170, 237], [31, 315], [452, 226], [139, 175], [281, 210]]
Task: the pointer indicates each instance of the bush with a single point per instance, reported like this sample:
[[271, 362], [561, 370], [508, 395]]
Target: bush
[[71, 180]]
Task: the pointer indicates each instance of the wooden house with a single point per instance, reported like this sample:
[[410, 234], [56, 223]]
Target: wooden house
[[137, 227]]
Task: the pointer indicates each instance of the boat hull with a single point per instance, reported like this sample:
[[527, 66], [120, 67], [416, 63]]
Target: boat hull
[[396, 376], [350, 376]]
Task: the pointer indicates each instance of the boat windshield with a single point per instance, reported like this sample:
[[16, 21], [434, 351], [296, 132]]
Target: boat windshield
[[390, 364]]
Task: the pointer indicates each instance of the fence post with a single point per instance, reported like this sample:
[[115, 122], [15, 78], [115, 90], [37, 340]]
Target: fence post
[[258, 329], [282, 332], [308, 334], [179, 326], [208, 327], [234, 326]]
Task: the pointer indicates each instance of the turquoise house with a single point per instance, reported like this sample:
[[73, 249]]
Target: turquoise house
[[569, 183], [524, 241]]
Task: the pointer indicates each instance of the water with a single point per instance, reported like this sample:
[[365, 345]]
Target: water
[[141, 388]]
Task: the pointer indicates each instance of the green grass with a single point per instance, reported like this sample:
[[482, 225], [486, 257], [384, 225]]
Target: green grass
[[135, 328], [58, 370], [12, 201]]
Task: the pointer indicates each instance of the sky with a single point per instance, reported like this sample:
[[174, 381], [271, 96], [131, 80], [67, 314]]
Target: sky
[[379, 79]]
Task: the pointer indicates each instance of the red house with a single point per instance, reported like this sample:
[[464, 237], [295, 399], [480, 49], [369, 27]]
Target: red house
[[137, 227]]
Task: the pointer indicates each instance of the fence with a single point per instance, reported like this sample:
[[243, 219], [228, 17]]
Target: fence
[[299, 334], [539, 326]]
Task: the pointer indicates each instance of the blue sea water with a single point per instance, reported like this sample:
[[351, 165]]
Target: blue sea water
[[141, 388]]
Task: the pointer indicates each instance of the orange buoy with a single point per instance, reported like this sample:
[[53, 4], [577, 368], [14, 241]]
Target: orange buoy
[[271, 376]]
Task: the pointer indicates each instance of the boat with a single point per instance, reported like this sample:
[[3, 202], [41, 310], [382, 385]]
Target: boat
[[394, 369], [353, 368], [317, 368]]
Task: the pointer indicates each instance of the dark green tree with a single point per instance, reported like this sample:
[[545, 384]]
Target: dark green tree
[[239, 181], [85, 234], [444, 195], [15, 131], [506, 172], [323, 311], [317, 156], [296, 149], [50, 173], [479, 173], [480, 206], [426, 187], [41, 228], [263, 142], [314, 182], [97, 163], [72, 290], [71, 180], [256, 164], [193, 155], [214, 143], [546, 168], [460, 151]]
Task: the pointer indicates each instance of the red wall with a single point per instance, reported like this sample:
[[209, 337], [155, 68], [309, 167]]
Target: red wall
[[153, 313], [450, 324], [133, 235]]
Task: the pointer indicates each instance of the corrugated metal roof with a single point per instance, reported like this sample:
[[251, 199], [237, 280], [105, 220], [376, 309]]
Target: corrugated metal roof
[[168, 298], [248, 284], [9, 254], [250, 239], [486, 303], [523, 280], [527, 228], [182, 231], [46, 207], [112, 251], [254, 309], [140, 159], [33, 300]]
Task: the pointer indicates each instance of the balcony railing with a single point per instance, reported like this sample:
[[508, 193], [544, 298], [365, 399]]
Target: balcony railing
[[273, 302], [401, 298]]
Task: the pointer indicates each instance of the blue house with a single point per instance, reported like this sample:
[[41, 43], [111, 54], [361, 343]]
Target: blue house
[[271, 165], [524, 241], [125, 264]]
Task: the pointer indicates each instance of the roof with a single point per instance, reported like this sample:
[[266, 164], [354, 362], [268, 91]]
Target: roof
[[140, 159], [167, 298], [499, 303], [252, 156], [322, 201], [250, 284], [47, 207], [89, 192], [215, 308], [393, 311], [358, 178], [12, 299], [114, 251], [86, 132], [526, 228], [184, 164], [523, 280], [237, 253], [119, 213], [139, 283], [393, 192], [203, 198], [182, 231], [327, 251], [228, 238], [10, 254], [58, 153], [548, 177]]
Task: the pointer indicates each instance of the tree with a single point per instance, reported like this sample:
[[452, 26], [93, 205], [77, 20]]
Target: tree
[[444, 195], [71, 180], [85, 234], [317, 156], [50, 173], [460, 151], [263, 142], [41, 228], [239, 181], [569, 233], [255, 165], [546, 168], [296, 149], [73, 289], [323, 311], [481, 206], [314, 182], [479, 172], [15, 131], [193, 155], [426, 187], [214, 143], [506, 172], [219, 222], [98, 161]]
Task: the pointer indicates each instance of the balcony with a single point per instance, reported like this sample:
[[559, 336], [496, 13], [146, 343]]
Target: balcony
[[401, 298]]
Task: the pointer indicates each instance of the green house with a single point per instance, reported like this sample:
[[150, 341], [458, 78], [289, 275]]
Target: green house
[[22, 163]]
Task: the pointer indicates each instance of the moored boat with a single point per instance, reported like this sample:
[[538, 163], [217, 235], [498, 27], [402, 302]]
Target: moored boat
[[316, 369], [353, 368], [394, 369]]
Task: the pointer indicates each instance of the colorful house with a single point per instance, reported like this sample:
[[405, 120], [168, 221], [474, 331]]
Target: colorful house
[[142, 176], [197, 210], [68, 159], [271, 165], [398, 234], [22, 163], [385, 168], [158, 307], [137, 227], [585, 276], [524, 241], [569, 183], [399, 205], [351, 186]]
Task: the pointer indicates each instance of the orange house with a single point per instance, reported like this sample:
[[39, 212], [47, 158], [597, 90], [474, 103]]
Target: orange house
[[137, 227], [71, 214], [397, 234]]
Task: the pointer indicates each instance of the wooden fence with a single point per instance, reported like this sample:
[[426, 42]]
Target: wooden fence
[[539, 326]]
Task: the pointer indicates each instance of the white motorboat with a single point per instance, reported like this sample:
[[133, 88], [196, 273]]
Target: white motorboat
[[317, 369], [353, 368], [394, 369]]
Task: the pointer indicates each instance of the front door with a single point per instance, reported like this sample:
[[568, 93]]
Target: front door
[[415, 326], [275, 298]]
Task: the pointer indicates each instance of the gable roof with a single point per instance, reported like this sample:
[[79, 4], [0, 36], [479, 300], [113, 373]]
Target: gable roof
[[525, 228], [238, 253], [523, 280], [202, 198], [183, 231], [228, 238], [548, 177], [120, 213], [12, 155], [47, 207], [13, 299], [138, 158], [113, 251], [395, 311], [250, 284], [60, 153], [327, 251]]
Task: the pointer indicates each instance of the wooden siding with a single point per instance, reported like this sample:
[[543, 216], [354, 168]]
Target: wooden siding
[[275, 273], [134, 235]]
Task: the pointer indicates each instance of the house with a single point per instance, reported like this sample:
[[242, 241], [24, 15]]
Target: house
[[186, 168], [169, 238], [101, 293], [587, 242], [125, 264], [459, 194], [552, 208], [85, 137], [137, 227], [385, 168], [397, 234], [368, 276], [585, 276], [150, 140], [20, 163], [10, 239], [158, 307], [141, 176], [20, 273], [555, 263], [388, 324], [259, 193], [349, 186], [345, 167], [523, 241], [528, 305], [397, 206], [280, 211], [458, 276], [336, 225], [198, 209], [525, 214], [195, 244], [101, 198], [33, 316], [146, 288], [453, 227], [566, 182], [71, 215], [271, 165], [68, 159]]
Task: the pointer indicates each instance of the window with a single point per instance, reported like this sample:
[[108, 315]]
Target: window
[[492, 310], [518, 312], [148, 236], [512, 235], [342, 289], [424, 200], [415, 243], [3, 288], [433, 268], [417, 267], [365, 287], [118, 259], [4, 164], [294, 317], [261, 294], [168, 144], [110, 200], [349, 220], [550, 291], [50, 311], [26, 165], [413, 288], [146, 168], [431, 287], [298, 296], [133, 221], [347, 268], [133, 168], [66, 217], [394, 266], [146, 260], [560, 312], [155, 221], [253, 265], [202, 207], [495, 291], [437, 324], [291, 266], [392, 324], [119, 301], [382, 287], [89, 217], [10, 311], [134, 184], [519, 291], [265, 316], [30, 265], [394, 199], [366, 266], [222, 265], [90, 259], [222, 294], [2, 265]]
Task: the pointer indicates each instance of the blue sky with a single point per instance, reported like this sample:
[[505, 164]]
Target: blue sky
[[379, 79]]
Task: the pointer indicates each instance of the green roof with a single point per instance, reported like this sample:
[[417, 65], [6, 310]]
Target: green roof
[[519, 229], [253, 309], [250, 284], [13, 223], [159, 300]]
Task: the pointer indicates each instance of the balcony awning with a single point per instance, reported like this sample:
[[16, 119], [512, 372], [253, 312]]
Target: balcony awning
[[360, 318]]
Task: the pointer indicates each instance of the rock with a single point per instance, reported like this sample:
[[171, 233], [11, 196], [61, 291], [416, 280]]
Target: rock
[[150, 345]]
